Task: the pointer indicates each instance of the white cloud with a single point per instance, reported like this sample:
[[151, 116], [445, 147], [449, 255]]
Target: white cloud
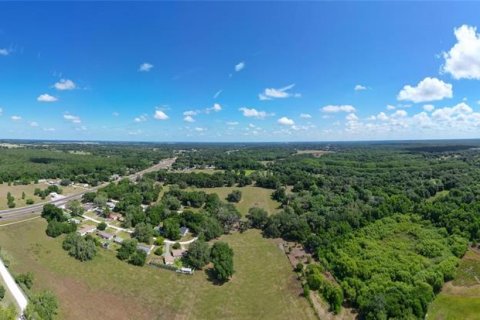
[[305, 116], [253, 113], [46, 98], [72, 118], [16, 118], [463, 59], [281, 93], [4, 52], [190, 113], [33, 124], [115, 114], [1, 111], [141, 118], [232, 123], [217, 94], [160, 115], [382, 116], [428, 107], [340, 108], [429, 89], [351, 117], [390, 107], [399, 114], [198, 129], [188, 119], [240, 66], [145, 67], [216, 108], [359, 87], [284, 121], [65, 84]]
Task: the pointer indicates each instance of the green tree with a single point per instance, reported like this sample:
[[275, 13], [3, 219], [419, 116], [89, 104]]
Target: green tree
[[258, 217], [8, 313], [75, 207], [171, 229], [42, 306], [143, 232], [2, 292], [234, 196], [222, 257], [198, 254], [102, 226]]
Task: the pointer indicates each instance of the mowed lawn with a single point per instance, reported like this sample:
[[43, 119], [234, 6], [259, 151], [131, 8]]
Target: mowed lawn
[[251, 197], [29, 189], [460, 298], [263, 287]]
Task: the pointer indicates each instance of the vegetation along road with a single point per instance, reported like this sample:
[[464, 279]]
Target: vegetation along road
[[17, 213]]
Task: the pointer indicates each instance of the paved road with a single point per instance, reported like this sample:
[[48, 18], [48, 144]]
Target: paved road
[[17, 213], [13, 287]]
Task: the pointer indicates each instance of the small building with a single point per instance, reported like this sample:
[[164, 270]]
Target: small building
[[184, 231], [114, 216], [118, 240], [55, 196], [74, 220], [169, 260], [145, 248], [185, 270], [111, 205], [177, 253], [86, 230], [105, 235]]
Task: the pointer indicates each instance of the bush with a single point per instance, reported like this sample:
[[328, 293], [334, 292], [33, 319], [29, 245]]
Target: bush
[[29, 201], [235, 196], [25, 279], [2, 292], [158, 251], [176, 245], [102, 226], [80, 248]]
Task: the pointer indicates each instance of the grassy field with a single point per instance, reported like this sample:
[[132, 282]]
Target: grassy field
[[8, 299], [263, 287], [16, 191], [251, 197], [460, 299]]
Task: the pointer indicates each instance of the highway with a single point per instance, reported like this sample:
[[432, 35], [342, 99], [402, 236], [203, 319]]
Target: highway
[[18, 213]]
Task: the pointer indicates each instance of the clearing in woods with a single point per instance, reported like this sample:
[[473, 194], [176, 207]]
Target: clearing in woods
[[263, 286], [460, 298]]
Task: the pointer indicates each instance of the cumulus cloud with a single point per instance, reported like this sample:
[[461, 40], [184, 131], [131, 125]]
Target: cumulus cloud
[[46, 98], [428, 107], [4, 52], [351, 117], [160, 115], [189, 119], [140, 118], [16, 118], [284, 121], [429, 89], [305, 116], [240, 66], [216, 108], [253, 113], [72, 118], [145, 67], [463, 59], [65, 84], [359, 87], [281, 93], [399, 114], [338, 108]]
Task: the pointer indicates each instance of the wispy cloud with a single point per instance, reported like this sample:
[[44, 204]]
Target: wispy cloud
[[65, 84], [145, 67], [240, 66], [72, 118], [46, 98], [281, 93], [4, 52], [16, 118], [217, 94], [140, 118], [254, 113], [338, 108]]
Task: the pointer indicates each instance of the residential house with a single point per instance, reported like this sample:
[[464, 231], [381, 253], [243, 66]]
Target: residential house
[[184, 231], [105, 235], [177, 253], [144, 247], [86, 229]]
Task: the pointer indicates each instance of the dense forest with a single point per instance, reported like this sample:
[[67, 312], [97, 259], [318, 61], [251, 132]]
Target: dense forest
[[78, 162]]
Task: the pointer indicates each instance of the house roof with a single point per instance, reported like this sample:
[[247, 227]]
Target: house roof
[[104, 234], [87, 229], [177, 252]]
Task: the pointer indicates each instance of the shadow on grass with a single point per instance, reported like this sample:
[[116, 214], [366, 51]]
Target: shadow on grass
[[211, 277]]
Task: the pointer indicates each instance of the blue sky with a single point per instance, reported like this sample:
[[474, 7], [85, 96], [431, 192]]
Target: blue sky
[[239, 71]]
